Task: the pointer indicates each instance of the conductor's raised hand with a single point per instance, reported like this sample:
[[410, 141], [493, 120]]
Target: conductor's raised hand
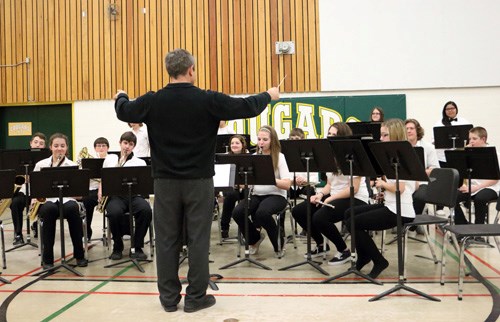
[[274, 92], [120, 91]]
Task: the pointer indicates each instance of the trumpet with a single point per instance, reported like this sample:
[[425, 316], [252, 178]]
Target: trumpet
[[5, 203], [33, 211]]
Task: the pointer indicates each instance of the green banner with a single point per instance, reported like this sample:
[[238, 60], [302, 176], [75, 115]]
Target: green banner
[[314, 115]]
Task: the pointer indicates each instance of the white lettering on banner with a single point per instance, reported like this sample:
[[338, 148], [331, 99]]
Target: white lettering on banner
[[237, 125], [282, 119], [254, 124], [305, 119], [327, 117]]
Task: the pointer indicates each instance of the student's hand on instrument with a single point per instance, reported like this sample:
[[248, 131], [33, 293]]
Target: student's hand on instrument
[[120, 91], [300, 180], [463, 189], [274, 92]]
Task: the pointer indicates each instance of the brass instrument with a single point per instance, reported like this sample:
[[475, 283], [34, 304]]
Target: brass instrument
[[5, 203], [33, 211], [101, 206], [83, 154]]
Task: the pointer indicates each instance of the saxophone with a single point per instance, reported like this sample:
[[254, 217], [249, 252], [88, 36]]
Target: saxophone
[[33, 211], [5, 203]]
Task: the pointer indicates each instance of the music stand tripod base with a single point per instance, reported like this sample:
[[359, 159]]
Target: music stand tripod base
[[135, 261]]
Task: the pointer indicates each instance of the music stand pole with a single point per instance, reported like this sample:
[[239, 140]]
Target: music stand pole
[[132, 258], [66, 182], [247, 258], [403, 152], [24, 159], [352, 269], [308, 260], [8, 177]]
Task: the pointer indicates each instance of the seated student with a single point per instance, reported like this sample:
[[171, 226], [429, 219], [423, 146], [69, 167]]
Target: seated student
[[238, 145], [377, 114], [19, 199], [382, 216], [482, 190], [415, 133], [301, 177], [266, 200], [337, 193], [117, 206], [49, 211], [101, 147]]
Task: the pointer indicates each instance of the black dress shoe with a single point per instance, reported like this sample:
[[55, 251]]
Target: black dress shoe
[[47, 266], [18, 240], [116, 255], [170, 308], [139, 254], [206, 302], [82, 262]]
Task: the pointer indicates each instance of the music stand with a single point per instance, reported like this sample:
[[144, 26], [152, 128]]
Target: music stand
[[372, 128], [60, 183], [451, 137], [251, 170], [352, 158], [23, 161], [474, 163], [128, 182], [306, 156], [8, 177], [420, 155], [223, 144], [399, 161]]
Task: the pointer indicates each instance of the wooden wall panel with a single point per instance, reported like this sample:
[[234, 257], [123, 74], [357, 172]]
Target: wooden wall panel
[[78, 51]]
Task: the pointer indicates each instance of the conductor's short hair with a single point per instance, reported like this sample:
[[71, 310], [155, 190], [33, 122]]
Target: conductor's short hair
[[178, 62]]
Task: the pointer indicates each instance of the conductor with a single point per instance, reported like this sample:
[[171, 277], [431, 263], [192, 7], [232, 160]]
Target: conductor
[[182, 122]]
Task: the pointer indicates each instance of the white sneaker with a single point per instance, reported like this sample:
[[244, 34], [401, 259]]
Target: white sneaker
[[280, 254], [253, 249]]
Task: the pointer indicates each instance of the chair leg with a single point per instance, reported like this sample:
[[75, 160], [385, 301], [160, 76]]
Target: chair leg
[[405, 249], [85, 237], [431, 247], [151, 240], [292, 229], [4, 259]]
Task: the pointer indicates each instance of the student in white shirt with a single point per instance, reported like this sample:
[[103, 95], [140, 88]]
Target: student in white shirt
[[266, 200], [482, 190], [382, 216], [117, 206], [142, 148], [49, 211]]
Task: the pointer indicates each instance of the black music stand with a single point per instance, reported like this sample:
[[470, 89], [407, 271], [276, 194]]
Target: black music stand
[[372, 128], [128, 182], [8, 177], [95, 166], [60, 182], [352, 158], [399, 161], [306, 156], [420, 155], [451, 137], [23, 161], [474, 163], [251, 170], [223, 144]]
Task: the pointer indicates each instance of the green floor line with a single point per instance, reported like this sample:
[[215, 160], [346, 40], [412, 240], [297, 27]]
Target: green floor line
[[80, 298]]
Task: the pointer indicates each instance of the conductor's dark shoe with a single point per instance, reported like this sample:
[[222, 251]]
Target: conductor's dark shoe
[[378, 268], [205, 302], [139, 254], [82, 262], [170, 308], [116, 255]]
